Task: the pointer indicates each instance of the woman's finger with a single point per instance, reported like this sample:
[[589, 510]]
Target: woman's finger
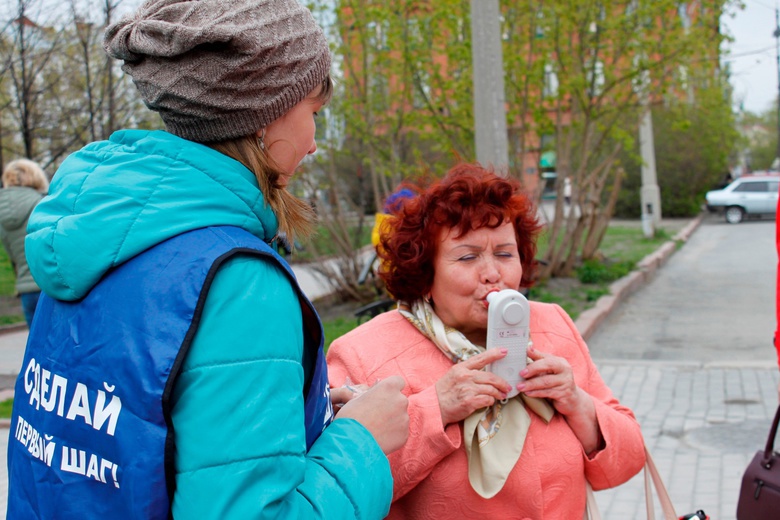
[[482, 360]]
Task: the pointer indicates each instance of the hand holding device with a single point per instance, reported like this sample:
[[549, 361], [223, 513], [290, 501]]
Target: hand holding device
[[509, 317], [383, 411]]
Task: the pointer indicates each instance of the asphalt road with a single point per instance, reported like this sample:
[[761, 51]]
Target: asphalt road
[[714, 301]]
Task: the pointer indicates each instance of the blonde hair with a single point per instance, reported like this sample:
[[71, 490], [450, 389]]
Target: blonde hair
[[24, 172], [296, 217]]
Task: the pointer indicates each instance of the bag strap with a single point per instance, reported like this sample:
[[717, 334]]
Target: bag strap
[[591, 506], [770, 441], [660, 490], [651, 474]]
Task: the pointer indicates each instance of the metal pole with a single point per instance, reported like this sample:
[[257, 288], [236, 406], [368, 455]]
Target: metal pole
[[490, 133]]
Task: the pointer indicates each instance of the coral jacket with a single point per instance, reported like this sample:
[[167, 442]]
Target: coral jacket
[[430, 473]]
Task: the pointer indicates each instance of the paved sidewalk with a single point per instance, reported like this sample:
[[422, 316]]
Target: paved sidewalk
[[701, 422], [691, 354]]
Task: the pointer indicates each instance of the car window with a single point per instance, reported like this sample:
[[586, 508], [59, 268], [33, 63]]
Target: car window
[[757, 186], [773, 186]]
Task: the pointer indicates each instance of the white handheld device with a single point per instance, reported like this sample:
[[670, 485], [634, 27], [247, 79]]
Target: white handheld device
[[509, 316]]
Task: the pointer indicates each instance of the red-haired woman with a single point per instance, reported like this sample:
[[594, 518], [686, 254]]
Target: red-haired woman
[[472, 453]]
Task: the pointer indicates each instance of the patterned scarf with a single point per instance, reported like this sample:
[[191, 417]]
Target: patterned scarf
[[491, 456]]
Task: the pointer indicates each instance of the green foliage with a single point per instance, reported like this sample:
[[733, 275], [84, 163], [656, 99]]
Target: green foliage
[[337, 327], [542, 294], [593, 294], [761, 136], [628, 243], [7, 275], [5, 408], [693, 143], [596, 271], [11, 319], [322, 244], [623, 246], [404, 101], [7, 287]]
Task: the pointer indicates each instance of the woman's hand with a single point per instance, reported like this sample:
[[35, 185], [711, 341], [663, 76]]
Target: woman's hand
[[466, 388], [343, 394], [382, 410], [551, 377]]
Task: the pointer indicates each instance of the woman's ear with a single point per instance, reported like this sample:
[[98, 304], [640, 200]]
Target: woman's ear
[[261, 138]]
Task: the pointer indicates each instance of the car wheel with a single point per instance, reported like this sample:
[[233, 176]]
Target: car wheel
[[734, 214]]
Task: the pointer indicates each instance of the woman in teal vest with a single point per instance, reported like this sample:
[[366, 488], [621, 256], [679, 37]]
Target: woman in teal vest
[[174, 366]]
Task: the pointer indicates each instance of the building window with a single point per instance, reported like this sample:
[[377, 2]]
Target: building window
[[684, 16], [595, 78], [550, 89]]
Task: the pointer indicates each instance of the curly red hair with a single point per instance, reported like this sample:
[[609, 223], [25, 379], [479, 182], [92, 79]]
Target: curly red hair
[[469, 197]]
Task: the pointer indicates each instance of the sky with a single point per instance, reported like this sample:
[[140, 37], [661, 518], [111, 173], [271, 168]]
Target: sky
[[753, 54]]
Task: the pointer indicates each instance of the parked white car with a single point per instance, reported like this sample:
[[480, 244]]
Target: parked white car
[[748, 195]]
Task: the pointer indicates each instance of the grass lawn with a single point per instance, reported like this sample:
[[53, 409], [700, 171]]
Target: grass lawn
[[622, 248], [5, 408], [7, 276], [7, 282]]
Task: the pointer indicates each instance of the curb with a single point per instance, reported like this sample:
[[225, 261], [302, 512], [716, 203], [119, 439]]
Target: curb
[[589, 320], [14, 327]]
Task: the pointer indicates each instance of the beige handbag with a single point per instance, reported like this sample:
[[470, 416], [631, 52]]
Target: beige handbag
[[651, 472]]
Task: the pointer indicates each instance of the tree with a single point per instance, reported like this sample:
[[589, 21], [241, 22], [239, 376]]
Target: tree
[[603, 54], [28, 50], [694, 143], [407, 86], [760, 132], [58, 88]]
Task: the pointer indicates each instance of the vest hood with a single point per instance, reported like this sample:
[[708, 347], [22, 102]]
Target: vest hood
[[113, 199]]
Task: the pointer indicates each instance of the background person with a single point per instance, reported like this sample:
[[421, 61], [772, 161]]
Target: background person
[[392, 203], [469, 454], [179, 371], [776, 339], [24, 185]]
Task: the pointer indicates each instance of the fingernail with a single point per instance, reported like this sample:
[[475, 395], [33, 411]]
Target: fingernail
[[524, 372], [521, 386], [508, 389], [504, 350]]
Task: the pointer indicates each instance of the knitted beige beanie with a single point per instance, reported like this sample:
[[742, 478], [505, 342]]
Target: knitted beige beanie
[[220, 69]]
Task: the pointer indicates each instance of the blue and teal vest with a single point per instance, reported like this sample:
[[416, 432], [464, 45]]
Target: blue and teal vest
[[91, 428]]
